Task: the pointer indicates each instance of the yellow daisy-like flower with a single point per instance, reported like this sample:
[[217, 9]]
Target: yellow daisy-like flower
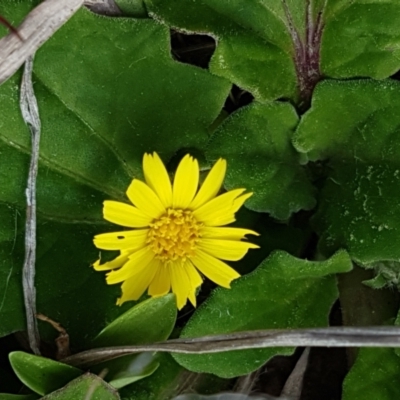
[[177, 232]]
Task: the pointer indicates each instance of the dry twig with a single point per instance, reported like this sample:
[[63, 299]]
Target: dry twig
[[30, 114], [316, 337], [36, 28], [62, 340], [103, 7], [294, 384]]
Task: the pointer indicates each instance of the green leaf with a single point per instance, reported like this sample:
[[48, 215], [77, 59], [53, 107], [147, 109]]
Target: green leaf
[[12, 312], [387, 274], [361, 38], [148, 322], [143, 97], [40, 374], [283, 292], [82, 386], [253, 43], [141, 367], [257, 41], [68, 289], [9, 382], [378, 282], [103, 106], [219, 396], [273, 236], [374, 376], [15, 13], [98, 118], [160, 385], [256, 142], [354, 126], [64, 281], [170, 380], [7, 396], [132, 8]]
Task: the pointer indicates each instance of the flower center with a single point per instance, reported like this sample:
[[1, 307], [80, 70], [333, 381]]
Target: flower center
[[174, 235]]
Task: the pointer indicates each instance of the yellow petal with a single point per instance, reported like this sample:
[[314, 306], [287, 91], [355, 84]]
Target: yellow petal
[[195, 279], [240, 201], [218, 208], [226, 216], [230, 250], [224, 220], [133, 288], [124, 240], [157, 178], [180, 283], [161, 283], [136, 264], [186, 182], [124, 215], [145, 199], [211, 185], [214, 269], [226, 233], [192, 297], [116, 263]]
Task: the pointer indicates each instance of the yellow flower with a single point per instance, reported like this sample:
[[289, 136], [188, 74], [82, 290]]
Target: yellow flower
[[177, 232]]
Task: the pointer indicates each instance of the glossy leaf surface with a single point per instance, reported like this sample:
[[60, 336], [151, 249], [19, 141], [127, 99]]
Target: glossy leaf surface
[[150, 321], [41, 374]]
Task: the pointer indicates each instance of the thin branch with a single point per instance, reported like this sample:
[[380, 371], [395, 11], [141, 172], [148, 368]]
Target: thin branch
[[317, 337], [30, 114], [36, 28], [294, 384], [103, 7], [62, 340], [246, 383]]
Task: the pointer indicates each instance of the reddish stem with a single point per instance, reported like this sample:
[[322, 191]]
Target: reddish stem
[[10, 27], [306, 51]]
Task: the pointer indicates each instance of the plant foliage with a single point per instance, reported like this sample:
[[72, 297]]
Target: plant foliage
[[319, 147]]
